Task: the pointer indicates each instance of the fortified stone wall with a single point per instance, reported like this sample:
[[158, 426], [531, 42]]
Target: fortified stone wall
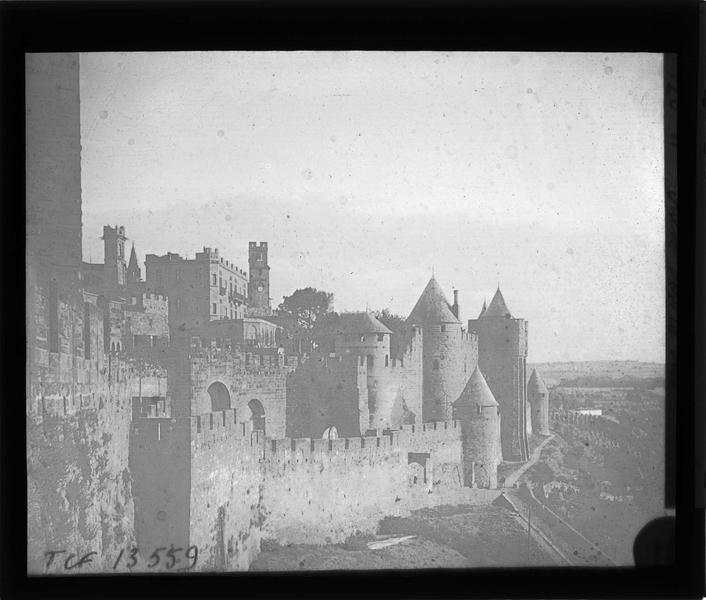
[[323, 491], [327, 390], [443, 442], [236, 487], [398, 388], [226, 491], [259, 374], [78, 425]]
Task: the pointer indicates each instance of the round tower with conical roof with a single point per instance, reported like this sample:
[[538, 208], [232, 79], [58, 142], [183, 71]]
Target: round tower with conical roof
[[538, 396], [479, 415], [450, 354]]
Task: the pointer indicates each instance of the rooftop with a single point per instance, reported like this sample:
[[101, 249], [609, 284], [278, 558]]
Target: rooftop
[[497, 307], [358, 322], [432, 306], [477, 391], [536, 383]]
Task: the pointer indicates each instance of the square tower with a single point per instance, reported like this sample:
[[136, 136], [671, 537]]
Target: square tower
[[259, 284], [502, 358], [114, 249]]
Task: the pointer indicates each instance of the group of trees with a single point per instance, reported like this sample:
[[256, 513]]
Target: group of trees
[[307, 311]]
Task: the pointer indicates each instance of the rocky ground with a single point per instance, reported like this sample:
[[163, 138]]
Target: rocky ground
[[444, 537]]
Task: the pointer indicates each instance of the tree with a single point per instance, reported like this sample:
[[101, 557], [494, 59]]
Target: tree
[[306, 306], [392, 321]]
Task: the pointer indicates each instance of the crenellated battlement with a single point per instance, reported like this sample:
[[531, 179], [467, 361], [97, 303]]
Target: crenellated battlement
[[219, 426], [575, 418], [430, 433], [302, 450]]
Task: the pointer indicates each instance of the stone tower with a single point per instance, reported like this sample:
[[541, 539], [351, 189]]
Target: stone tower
[[363, 336], [450, 354], [502, 357], [538, 397], [134, 274], [114, 249], [53, 159], [479, 415], [259, 284]]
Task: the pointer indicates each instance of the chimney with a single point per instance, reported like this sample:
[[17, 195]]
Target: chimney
[[454, 308]]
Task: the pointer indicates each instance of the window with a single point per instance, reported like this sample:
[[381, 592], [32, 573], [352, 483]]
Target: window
[[480, 409], [443, 328], [153, 340], [215, 279], [362, 338], [370, 360], [387, 360], [381, 337], [435, 364], [215, 307], [134, 300]]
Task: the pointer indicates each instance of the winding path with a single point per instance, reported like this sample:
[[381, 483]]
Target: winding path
[[511, 479]]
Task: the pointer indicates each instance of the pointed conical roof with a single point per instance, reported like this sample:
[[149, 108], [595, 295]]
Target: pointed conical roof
[[477, 391], [536, 384], [132, 265], [432, 306], [482, 310], [497, 307], [359, 322]]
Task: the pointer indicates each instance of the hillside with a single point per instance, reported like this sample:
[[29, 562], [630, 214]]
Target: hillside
[[606, 478]]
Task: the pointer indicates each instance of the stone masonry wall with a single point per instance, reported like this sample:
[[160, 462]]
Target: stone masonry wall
[[399, 387], [450, 356], [78, 426], [226, 491], [321, 491], [324, 391]]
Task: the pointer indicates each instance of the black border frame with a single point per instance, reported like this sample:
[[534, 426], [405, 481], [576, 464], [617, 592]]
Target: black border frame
[[669, 26]]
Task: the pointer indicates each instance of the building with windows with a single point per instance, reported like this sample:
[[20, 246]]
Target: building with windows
[[205, 288]]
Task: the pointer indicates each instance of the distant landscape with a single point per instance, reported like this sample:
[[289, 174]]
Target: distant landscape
[[600, 373]]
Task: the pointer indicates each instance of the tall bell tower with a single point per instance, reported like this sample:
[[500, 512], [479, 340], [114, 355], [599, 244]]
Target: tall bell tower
[[114, 249], [259, 283]]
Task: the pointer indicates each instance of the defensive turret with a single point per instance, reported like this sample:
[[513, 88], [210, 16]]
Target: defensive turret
[[449, 353], [479, 415], [538, 396]]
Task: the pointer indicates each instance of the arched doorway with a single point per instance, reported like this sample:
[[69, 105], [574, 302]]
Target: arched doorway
[[330, 433], [257, 415], [220, 396]]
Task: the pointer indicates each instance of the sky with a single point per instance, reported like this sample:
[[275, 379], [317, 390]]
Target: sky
[[367, 171]]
